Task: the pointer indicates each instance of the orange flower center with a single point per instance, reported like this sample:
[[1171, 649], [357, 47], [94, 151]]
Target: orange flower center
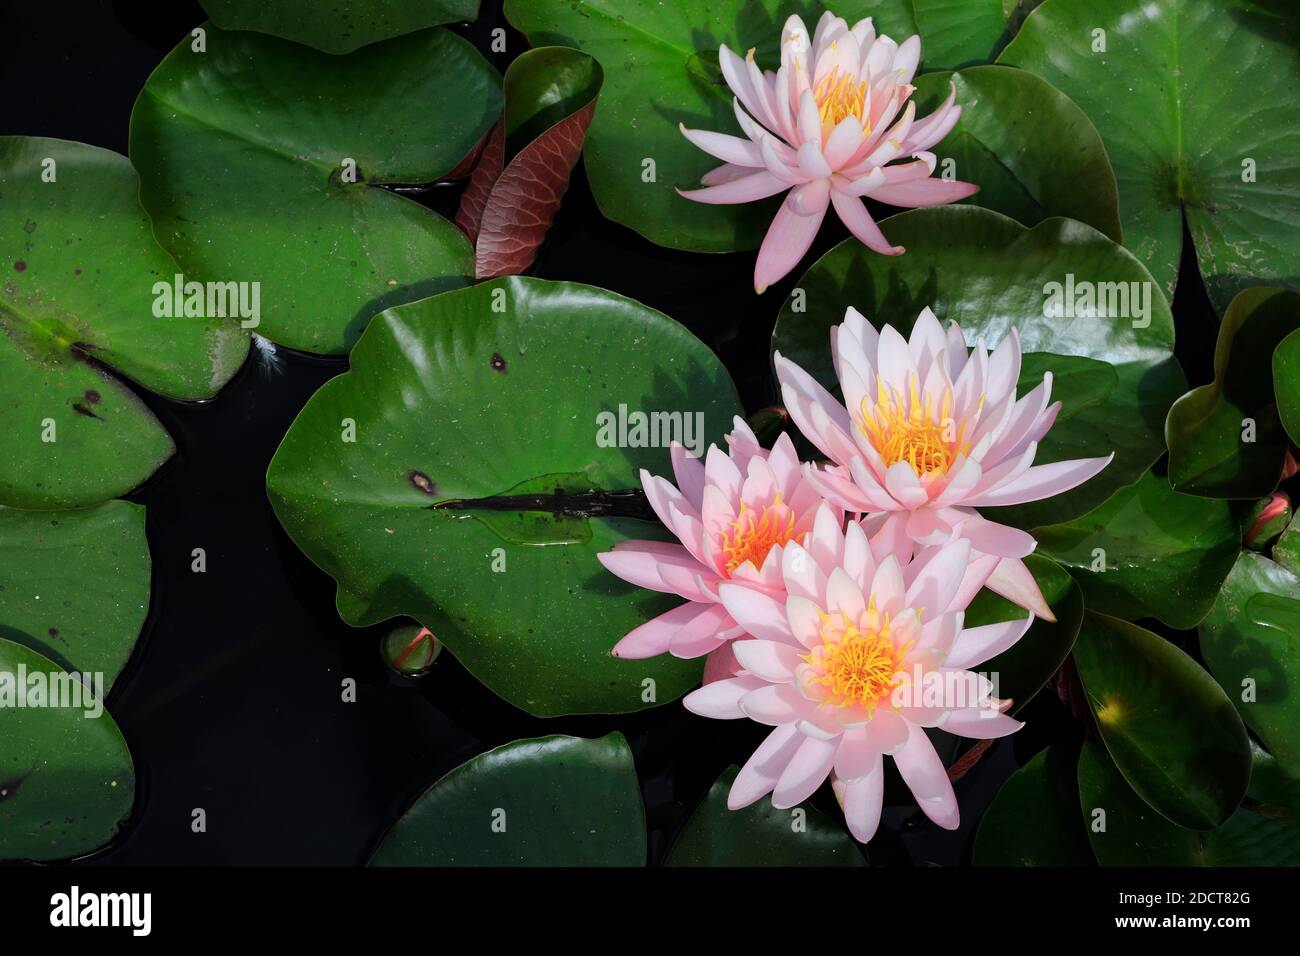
[[919, 432], [754, 534], [838, 96], [857, 661]]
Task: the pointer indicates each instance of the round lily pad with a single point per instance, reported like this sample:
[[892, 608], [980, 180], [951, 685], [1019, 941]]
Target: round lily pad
[[484, 448], [67, 782], [1168, 726], [760, 835], [263, 163], [74, 585], [553, 801], [1033, 152], [1158, 79], [1035, 819], [80, 277]]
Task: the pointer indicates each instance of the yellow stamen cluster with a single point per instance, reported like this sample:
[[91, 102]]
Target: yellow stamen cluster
[[858, 661], [838, 96], [915, 431], [753, 536]]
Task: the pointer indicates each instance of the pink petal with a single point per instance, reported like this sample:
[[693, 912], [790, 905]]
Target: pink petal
[[854, 215], [721, 699], [761, 772], [773, 661], [653, 637], [925, 776], [1042, 481], [975, 645], [789, 236], [749, 188], [775, 704], [861, 801], [925, 192], [1013, 581], [756, 612], [807, 770]]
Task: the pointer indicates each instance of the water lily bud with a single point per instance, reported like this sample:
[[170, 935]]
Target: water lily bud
[[1268, 519], [410, 650]]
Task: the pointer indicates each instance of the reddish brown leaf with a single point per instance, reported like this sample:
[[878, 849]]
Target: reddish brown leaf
[[968, 760], [486, 172], [524, 200]]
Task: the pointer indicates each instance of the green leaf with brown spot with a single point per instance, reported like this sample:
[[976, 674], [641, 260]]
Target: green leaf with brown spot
[[78, 270]]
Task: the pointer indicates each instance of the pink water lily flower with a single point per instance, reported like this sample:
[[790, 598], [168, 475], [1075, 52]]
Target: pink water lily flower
[[732, 513], [826, 126], [929, 431], [859, 655]]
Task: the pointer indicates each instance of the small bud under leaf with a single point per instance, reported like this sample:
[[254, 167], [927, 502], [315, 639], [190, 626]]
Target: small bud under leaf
[[410, 650], [1268, 519]]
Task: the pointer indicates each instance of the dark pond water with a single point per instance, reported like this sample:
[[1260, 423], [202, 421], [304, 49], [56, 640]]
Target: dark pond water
[[232, 701]]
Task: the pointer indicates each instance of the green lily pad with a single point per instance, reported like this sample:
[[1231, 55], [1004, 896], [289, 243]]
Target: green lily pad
[[963, 33], [1035, 819], [262, 161], [1168, 726], [1159, 92], [74, 585], [345, 26], [760, 835], [553, 801], [990, 274], [1027, 665], [78, 265], [661, 69], [500, 392], [1148, 551], [67, 782], [1263, 832], [1225, 439], [1251, 642], [1033, 152], [1286, 384]]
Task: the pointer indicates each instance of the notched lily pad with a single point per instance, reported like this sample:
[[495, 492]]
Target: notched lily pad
[[85, 298], [500, 392], [1168, 726], [1225, 438], [1155, 81], [1033, 152], [264, 162]]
